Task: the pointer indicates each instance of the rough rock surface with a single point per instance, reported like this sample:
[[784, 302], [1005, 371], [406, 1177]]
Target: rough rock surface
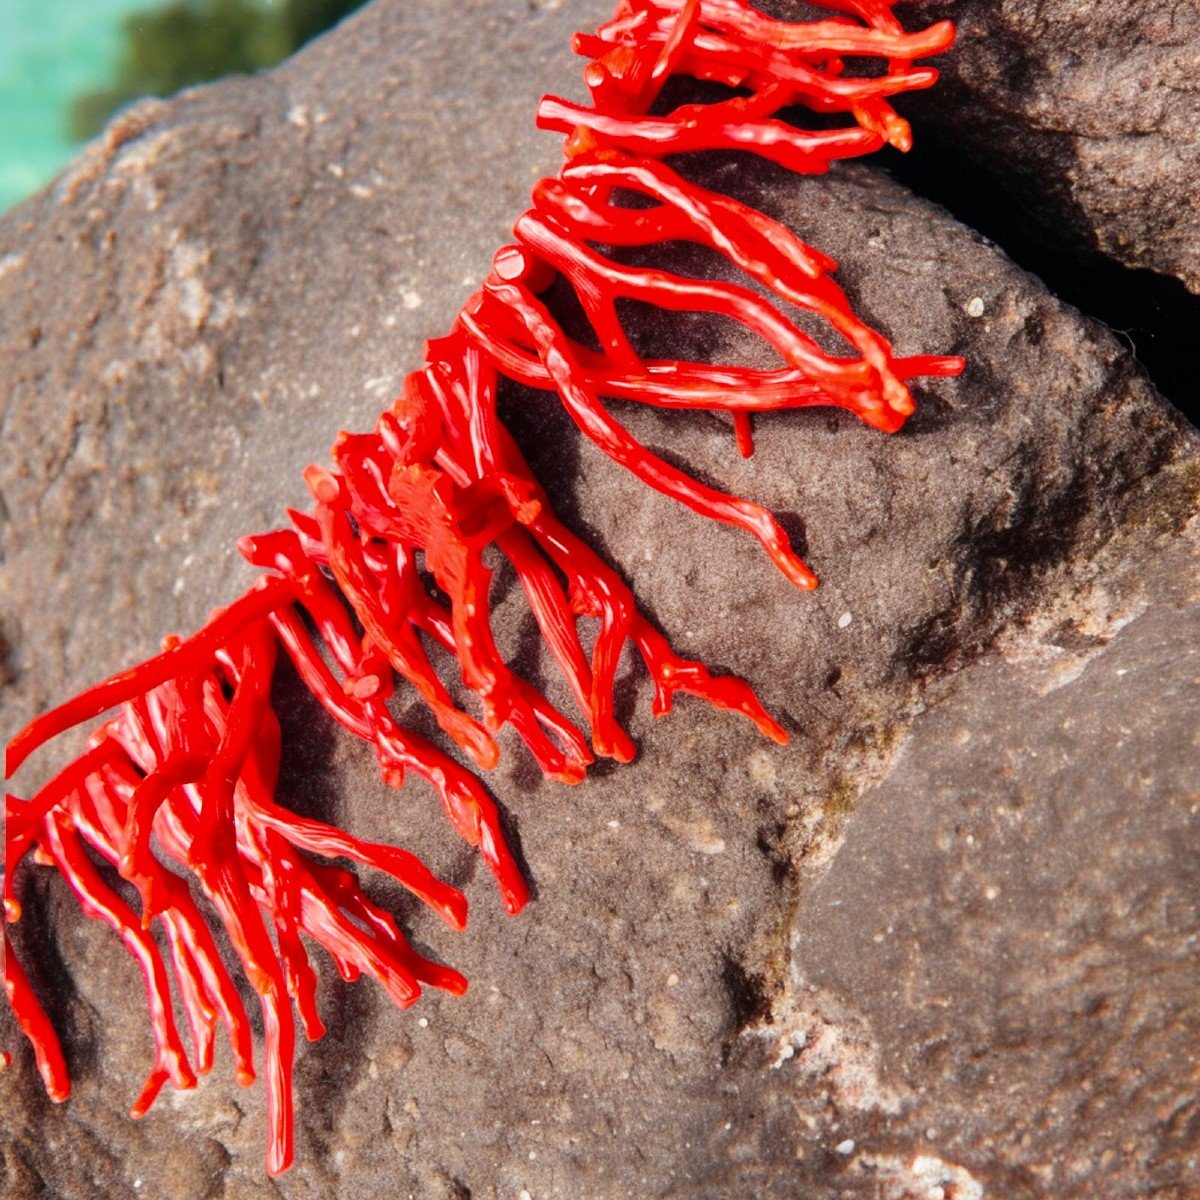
[[696, 1003], [1086, 114]]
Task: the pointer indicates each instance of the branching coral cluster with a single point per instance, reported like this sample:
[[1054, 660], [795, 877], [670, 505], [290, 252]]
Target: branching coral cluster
[[177, 793]]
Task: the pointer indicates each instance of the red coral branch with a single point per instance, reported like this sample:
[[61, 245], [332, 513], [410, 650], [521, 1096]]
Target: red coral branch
[[178, 792]]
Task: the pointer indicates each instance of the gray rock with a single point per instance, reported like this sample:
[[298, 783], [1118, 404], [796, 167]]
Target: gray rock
[[1008, 935], [190, 315], [1085, 115]]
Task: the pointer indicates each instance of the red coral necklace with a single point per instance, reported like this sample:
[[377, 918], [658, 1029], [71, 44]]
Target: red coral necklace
[[185, 772]]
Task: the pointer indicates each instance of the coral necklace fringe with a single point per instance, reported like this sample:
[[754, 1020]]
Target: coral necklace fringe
[[178, 790]]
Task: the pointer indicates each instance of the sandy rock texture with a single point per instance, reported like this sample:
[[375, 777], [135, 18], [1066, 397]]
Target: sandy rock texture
[[941, 945], [1086, 115]]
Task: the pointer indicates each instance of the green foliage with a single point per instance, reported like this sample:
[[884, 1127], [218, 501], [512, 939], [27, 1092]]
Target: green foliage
[[303, 20], [193, 41]]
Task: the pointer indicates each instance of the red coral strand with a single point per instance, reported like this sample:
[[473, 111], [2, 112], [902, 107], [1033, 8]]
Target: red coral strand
[[177, 792]]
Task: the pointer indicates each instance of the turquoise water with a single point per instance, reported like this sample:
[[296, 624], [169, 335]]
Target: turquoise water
[[49, 51]]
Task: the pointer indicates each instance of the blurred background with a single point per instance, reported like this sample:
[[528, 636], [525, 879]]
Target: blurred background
[[67, 66]]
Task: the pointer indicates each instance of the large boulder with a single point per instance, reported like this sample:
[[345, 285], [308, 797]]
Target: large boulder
[[748, 969]]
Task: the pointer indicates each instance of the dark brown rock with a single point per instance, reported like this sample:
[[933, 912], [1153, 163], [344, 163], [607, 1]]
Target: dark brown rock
[[1087, 116], [189, 316]]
